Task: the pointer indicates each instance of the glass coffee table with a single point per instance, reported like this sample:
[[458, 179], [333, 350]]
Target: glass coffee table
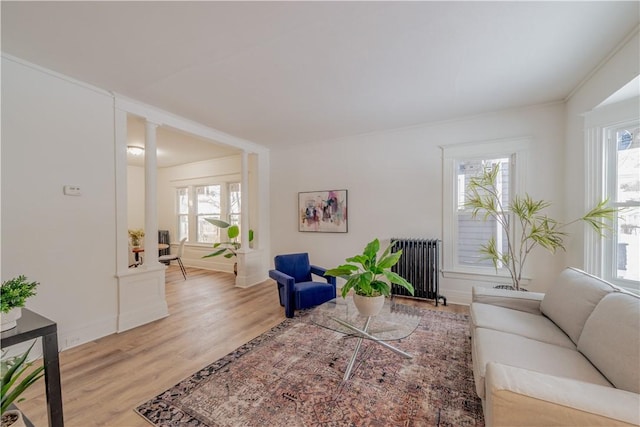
[[395, 321]]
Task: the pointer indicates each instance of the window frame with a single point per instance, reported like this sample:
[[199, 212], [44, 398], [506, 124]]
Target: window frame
[[599, 183], [514, 148], [179, 214], [194, 215]]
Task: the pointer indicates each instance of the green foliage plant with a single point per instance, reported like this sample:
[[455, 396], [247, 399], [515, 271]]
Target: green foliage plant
[[16, 377], [229, 248], [364, 273], [533, 227], [14, 293]]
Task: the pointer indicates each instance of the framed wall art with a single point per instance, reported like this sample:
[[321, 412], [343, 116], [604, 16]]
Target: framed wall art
[[323, 211]]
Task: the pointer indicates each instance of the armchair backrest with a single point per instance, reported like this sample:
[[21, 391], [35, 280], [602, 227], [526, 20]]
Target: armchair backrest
[[294, 265]]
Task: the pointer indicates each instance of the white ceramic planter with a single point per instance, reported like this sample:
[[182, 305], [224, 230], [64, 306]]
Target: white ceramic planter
[[368, 306], [9, 319]]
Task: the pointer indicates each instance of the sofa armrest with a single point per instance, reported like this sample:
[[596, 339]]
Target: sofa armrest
[[319, 271], [516, 300], [520, 397]]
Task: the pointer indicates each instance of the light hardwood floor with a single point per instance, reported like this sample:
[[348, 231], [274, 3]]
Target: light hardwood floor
[[102, 381]]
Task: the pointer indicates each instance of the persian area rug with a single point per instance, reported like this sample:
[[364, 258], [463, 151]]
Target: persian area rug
[[292, 376]]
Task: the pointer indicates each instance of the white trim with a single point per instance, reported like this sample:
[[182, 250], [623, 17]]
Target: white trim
[[55, 74], [484, 276], [458, 297], [165, 118], [122, 235], [477, 149], [594, 161]]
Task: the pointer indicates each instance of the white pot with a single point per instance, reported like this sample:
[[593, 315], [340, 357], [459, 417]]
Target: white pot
[[368, 306], [9, 319], [17, 423]]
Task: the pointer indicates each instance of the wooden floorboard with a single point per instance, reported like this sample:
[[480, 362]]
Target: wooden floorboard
[[103, 380]]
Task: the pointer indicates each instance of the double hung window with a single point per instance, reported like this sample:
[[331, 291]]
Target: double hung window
[[197, 203], [622, 188], [474, 232], [613, 173], [463, 235], [207, 206]]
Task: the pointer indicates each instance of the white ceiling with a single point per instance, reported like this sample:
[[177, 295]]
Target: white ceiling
[[173, 147], [284, 73]]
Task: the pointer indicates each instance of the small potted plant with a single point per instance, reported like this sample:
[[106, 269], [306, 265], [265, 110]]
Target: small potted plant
[[16, 378], [136, 236], [13, 295], [230, 247], [365, 274]]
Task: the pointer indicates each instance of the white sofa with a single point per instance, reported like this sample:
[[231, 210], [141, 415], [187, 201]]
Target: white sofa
[[569, 357]]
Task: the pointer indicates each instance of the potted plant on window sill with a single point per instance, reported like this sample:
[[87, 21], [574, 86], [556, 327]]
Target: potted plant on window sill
[[532, 226], [364, 274], [229, 248], [13, 296]]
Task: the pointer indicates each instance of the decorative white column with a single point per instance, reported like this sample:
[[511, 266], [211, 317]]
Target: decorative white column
[[150, 196], [248, 259], [141, 291], [244, 202]]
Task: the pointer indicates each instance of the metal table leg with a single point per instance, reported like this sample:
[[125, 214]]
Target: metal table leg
[[362, 333]]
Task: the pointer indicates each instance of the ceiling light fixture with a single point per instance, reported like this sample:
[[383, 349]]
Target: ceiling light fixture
[[135, 151]]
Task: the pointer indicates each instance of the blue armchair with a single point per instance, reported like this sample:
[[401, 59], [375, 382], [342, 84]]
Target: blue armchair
[[296, 288]]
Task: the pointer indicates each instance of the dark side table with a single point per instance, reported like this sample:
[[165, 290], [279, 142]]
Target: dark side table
[[31, 326]]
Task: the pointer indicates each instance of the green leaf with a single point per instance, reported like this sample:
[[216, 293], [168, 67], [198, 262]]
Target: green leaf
[[600, 217], [233, 231], [371, 250], [390, 260], [216, 253], [358, 259], [218, 222], [342, 270], [380, 288], [399, 280], [12, 370]]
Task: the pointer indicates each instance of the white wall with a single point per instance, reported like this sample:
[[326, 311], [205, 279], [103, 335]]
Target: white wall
[[619, 70], [54, 133], [394, 180]]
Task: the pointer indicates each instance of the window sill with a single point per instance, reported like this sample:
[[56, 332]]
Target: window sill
[[496, 279]]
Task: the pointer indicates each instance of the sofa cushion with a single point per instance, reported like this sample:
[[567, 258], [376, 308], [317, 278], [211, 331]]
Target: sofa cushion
[[521, 352], [571, 300], [611, 340], [528, 325]]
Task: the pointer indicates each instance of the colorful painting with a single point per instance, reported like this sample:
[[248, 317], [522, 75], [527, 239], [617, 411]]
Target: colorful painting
[[323, 211]]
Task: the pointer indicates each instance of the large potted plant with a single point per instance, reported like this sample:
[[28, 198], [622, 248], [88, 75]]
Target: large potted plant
[[228, 248], [16, 378], [532, 226], [13, 296], [365, 274]]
